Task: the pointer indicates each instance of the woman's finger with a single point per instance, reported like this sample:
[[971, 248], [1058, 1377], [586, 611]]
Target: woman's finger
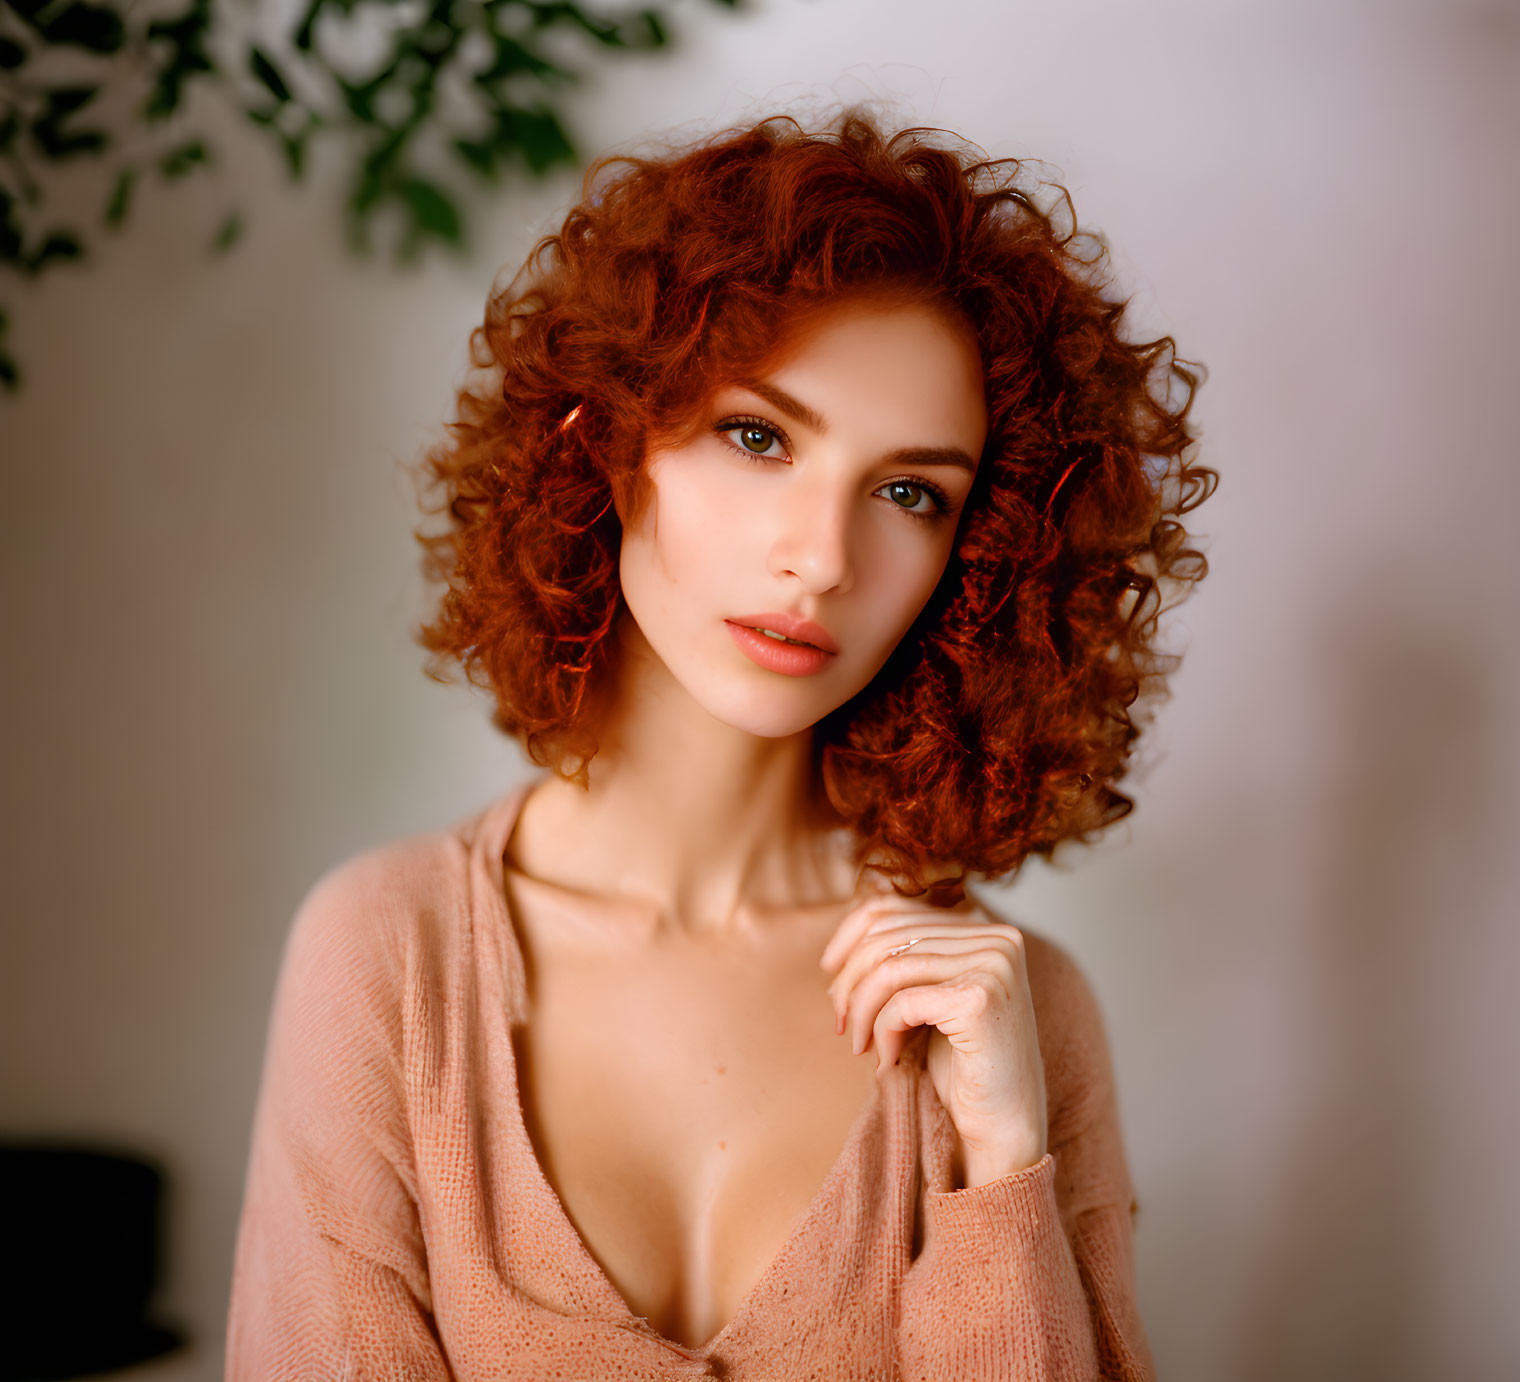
[[859, 920], [883, 946], [931, 935], [948, 1003], [975, 965]]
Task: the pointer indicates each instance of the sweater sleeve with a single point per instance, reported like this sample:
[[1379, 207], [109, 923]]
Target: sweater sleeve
[[330, 1275], [1031, 1277]]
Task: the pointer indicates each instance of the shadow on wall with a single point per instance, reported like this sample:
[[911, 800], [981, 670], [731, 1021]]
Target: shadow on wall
[[1406, 843]]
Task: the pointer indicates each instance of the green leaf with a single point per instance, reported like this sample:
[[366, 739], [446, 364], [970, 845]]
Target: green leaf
[[649, 29], [184, 31], [380, 162], [12, 54], [360, 99], [59, 101], [93, 27], [432, 210], [121, 197], [57, 145], [60, 244], [481, 157], [185, 35], [511, 59], [295, 154], [10, 231], [10, 373], [304, 30], [366, 194], [438, 39], [545, 15], [536, 134], [179, 161], [163, 100], [47, 130], [269, 74], [228, 233]]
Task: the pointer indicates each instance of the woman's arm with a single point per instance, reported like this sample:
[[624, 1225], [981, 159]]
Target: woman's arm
[[1031, 1276], [330, 1276]]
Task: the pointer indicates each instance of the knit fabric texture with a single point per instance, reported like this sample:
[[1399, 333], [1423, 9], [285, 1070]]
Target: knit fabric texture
[[398, 1224]]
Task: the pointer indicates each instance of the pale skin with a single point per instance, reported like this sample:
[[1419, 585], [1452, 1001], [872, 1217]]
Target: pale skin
[[732, 901]]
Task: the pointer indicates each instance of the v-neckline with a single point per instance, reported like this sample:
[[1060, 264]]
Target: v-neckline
[[492, 840]]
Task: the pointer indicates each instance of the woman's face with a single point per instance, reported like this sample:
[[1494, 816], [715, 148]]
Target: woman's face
[[827, 490]]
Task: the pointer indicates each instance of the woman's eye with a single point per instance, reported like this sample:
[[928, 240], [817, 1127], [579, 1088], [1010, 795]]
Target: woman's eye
[[758, 441], [909, 496]]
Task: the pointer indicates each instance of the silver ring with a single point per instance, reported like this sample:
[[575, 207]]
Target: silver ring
[[906, 945]]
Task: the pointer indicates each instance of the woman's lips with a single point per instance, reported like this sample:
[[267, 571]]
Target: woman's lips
[[790, 659], [790, 626]]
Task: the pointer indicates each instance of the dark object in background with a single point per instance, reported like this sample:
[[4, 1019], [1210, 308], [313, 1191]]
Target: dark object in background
[[80, 1262]]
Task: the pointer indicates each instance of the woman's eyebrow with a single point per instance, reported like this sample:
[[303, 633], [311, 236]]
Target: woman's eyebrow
[[799, 411], [931, 455], [794, 408]]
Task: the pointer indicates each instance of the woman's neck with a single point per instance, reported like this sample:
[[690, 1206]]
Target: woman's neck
[[709, 826]]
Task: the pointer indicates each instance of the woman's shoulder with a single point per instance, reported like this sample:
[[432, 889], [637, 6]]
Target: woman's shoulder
[[1062, 994], [1068, 1014], [1058, 984], [368, 915], [349, 992]]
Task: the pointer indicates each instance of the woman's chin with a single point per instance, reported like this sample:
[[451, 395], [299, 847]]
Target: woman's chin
[[767, 713], [769, 722]]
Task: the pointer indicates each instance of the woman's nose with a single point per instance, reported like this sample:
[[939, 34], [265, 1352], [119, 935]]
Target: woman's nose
[[813, 541]]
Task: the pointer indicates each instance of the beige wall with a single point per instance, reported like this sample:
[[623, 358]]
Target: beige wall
[[1304, 941]]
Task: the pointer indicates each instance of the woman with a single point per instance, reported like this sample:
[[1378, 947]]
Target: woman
[[809, 525]]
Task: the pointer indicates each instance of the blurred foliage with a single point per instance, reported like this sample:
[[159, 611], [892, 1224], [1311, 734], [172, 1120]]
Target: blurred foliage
[[469, 86]]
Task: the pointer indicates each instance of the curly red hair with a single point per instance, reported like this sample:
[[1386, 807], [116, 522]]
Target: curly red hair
[[1004, 720]]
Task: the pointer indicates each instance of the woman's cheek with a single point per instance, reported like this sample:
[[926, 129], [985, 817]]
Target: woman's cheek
[[704, 513], [901, 587]]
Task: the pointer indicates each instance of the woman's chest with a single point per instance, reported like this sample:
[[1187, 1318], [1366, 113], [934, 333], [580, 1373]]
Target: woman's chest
[[687, 1105]]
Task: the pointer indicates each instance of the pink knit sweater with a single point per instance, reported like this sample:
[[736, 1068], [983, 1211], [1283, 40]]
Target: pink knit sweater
[[397, 1222]]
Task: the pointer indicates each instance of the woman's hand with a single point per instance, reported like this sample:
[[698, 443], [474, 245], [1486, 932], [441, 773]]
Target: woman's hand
[[963, 975]]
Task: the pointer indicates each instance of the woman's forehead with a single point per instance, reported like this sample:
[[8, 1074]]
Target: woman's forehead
[[879, 379], [812, 332]]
